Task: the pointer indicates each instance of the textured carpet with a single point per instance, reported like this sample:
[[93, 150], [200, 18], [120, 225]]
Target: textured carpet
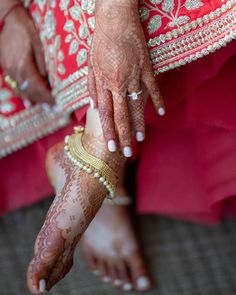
[[185, 259]]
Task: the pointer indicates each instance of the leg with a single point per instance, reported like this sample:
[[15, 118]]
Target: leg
[[78, 198]]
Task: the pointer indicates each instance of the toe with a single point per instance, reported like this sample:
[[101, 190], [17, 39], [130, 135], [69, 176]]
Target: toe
[[113, 272], [139, 273], [32, 282], [37, 273], [103, 271], [45, 271], [124, 276]]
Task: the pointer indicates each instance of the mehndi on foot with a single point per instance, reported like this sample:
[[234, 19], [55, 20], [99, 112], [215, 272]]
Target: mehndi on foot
[[79, 195]]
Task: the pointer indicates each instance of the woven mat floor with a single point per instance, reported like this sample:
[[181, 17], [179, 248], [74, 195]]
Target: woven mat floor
[[184, 258]]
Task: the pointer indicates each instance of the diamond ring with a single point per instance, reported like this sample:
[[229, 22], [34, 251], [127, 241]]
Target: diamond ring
[[134, 95]]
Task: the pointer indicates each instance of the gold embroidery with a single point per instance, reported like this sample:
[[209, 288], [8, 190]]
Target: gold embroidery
[[28, 126], [199, 22], [201, 37]]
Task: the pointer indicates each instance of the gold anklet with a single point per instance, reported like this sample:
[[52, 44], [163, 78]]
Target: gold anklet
[[90, 164]]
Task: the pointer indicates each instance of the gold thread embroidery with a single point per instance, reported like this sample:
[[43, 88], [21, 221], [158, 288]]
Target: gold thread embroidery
[[199, 43]]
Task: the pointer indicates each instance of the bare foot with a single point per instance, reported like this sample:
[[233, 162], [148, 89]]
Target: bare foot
[[72, 210], [111, 249], [78, 198]]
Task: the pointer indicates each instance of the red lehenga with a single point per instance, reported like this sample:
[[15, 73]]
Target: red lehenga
[[187, 163]]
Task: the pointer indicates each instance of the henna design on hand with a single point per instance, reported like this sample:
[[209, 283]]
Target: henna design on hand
[[118, 61]]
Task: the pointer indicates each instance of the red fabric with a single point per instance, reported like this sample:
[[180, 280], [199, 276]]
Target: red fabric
[[188, 161]]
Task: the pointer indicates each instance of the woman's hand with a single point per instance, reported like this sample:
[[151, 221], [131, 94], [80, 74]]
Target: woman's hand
[[118, 66], [21, 54]]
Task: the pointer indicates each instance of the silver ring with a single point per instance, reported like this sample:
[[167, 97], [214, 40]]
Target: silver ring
[[134, 95], [24, 86]]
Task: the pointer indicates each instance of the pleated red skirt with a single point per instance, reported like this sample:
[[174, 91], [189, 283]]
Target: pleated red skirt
[[187, 163]]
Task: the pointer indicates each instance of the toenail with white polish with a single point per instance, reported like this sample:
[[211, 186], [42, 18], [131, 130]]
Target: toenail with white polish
[[127, 152], [143, 283], [42, 286], [111, 146], [127, 287], [139, 136], [106, 280], [117, 283], [96, 272]]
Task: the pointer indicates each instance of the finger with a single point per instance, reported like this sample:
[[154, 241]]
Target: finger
[[38, 90], [122, 122], [38, 53], [137, 115], [106, 117], [136, 107], [92, 86], [153, 89]]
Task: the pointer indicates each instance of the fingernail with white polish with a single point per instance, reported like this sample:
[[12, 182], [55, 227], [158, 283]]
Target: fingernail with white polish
[[143, 283], [127, 287], [42, 286], [91, 103], [140, 136], [117, 283], [161, 111], [106, 280], [111, 146], [127, 152]]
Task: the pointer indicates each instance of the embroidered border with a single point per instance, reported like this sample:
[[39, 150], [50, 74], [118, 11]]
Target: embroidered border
[[197, 39], [29, 126], [34, 123], [71, 79]]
